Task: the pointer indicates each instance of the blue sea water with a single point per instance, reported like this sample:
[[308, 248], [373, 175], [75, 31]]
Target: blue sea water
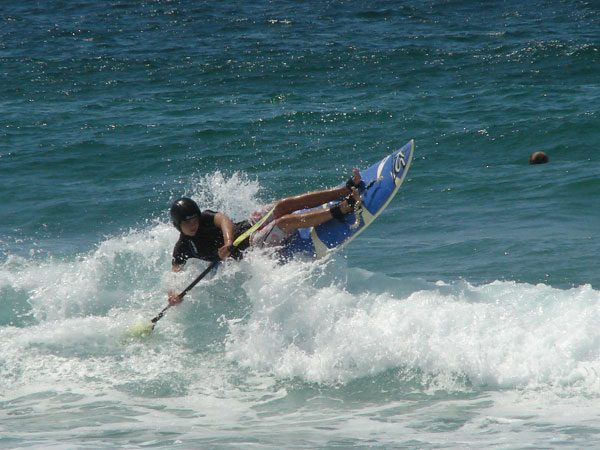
[[466, 316]]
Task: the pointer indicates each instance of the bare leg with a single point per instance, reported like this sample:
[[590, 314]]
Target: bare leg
[[291, 222], [312, 199]]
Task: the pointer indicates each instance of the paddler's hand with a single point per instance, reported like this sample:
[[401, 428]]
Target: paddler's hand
[[225, 251], [174, 299]]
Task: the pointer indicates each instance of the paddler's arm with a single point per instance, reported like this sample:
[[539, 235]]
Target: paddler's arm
[[226, 226]]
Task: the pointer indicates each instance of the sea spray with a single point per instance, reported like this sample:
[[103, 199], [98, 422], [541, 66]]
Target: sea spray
[[322, 322], [499, 335]]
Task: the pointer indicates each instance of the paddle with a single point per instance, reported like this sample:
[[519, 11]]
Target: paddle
[[145, 328], [142, 329]]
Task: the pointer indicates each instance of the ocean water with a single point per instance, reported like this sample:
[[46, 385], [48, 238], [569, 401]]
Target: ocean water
[[466, 316]]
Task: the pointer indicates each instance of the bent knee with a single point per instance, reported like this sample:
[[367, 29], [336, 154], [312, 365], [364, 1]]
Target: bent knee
[[288, 223], [284, 206]]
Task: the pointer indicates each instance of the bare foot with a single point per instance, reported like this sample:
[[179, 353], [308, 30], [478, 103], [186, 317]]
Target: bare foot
[[356, 178]]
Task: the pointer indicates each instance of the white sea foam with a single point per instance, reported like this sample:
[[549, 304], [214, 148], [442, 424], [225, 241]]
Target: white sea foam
[[235, 195], [499, 335], [247, 336], [319, 322]]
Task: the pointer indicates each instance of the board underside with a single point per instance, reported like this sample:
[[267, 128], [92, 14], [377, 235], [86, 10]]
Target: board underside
[[382, 181]]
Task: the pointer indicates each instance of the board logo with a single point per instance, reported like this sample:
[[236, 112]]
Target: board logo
[[399, 163]]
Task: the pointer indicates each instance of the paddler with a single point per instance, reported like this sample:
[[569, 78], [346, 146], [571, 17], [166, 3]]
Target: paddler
[[209, 235]]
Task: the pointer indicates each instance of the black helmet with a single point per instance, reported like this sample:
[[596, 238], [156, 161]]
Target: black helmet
[[183, 209]]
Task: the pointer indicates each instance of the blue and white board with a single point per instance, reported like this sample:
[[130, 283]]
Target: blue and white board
[[382, 182]]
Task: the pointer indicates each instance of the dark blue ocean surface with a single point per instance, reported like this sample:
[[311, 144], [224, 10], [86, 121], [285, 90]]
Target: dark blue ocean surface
[[478, 283], [109, 107]]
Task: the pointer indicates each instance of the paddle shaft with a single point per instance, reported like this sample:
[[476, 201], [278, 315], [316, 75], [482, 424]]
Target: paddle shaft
[[187, 289]]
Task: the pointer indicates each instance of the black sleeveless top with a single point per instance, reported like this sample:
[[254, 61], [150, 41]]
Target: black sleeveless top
[[207, 241]]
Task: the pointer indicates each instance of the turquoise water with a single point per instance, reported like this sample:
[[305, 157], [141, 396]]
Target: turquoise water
[[465, 317]]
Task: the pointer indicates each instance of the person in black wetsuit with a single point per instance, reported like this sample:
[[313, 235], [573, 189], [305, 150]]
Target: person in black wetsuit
[[206, 235], [209, 235]]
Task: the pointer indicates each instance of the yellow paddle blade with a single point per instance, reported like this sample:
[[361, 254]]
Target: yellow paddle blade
[[141, 329]]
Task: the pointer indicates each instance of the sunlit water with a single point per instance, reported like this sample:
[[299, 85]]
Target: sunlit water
[[466, 316]]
